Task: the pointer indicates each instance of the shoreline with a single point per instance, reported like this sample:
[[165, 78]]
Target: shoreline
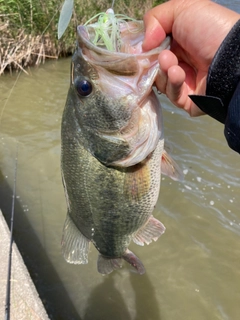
[[25, 302], [24, 50]]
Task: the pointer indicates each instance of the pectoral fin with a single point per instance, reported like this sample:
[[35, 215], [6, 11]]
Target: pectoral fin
[[170, 168], [150, 231], [75, 245]]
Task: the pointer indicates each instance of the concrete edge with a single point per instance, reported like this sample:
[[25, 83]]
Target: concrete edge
[[25, 301]]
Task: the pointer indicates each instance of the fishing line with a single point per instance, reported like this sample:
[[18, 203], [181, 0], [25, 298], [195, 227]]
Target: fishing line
[[14, 85], [8, 289], [51, 21]]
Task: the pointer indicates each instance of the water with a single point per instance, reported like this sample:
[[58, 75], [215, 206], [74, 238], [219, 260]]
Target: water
[[192, 270]]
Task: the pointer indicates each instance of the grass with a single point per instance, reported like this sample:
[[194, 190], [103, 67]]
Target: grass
[[28, 28]]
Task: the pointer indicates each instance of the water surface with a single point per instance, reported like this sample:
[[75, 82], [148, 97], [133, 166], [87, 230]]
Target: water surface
[[192, 270]]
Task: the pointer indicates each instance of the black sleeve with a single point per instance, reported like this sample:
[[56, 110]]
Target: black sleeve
[[222, 99]]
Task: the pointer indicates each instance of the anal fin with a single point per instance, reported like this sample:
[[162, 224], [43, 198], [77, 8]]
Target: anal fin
[[152, 230], [107, 265], [134, 261], [75, 245]]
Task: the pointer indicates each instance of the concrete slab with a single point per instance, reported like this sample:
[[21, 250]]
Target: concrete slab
[[25, 301]]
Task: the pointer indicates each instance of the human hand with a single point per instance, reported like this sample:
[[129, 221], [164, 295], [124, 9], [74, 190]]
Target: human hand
[[198, 28]]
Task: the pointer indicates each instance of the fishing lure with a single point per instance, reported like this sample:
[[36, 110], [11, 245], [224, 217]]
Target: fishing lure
[[108, 29]]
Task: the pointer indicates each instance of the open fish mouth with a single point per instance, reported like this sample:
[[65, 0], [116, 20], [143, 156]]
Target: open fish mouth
[[116, 32], [113, 46], [129, 65], [113, 39]]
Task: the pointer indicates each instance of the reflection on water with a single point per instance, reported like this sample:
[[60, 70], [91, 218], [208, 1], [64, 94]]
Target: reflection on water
[[192, 271]]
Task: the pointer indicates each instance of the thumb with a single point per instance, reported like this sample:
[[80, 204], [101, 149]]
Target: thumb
[[158, 22]]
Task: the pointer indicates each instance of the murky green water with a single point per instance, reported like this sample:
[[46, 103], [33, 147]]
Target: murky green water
[[193, 270]]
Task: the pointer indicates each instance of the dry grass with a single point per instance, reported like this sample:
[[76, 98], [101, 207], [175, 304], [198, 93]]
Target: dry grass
[[24, 50]]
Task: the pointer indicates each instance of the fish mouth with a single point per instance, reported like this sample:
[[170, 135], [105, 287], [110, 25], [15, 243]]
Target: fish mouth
[[128, 75], [126, 71], [128, 39], [125, 62]]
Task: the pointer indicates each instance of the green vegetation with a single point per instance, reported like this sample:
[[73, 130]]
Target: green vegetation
[[28, 28]]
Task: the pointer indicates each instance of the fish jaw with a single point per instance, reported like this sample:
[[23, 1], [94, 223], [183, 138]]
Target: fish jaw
[[147, 134]]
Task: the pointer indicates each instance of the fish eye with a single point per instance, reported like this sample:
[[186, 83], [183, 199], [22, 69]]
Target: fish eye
[[83, 87]]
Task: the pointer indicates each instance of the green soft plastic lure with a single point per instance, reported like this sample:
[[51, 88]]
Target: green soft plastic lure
[[107, 29]]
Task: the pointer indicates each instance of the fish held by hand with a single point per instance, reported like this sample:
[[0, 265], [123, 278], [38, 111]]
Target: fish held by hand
[[112, 144]]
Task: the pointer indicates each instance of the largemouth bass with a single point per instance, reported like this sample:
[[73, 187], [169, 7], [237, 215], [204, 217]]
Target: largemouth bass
[[112, 147]]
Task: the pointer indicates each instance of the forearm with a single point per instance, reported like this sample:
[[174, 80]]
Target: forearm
[[222, 99]]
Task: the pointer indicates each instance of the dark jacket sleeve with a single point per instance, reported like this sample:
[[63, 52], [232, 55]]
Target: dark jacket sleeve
[[222, 99]]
